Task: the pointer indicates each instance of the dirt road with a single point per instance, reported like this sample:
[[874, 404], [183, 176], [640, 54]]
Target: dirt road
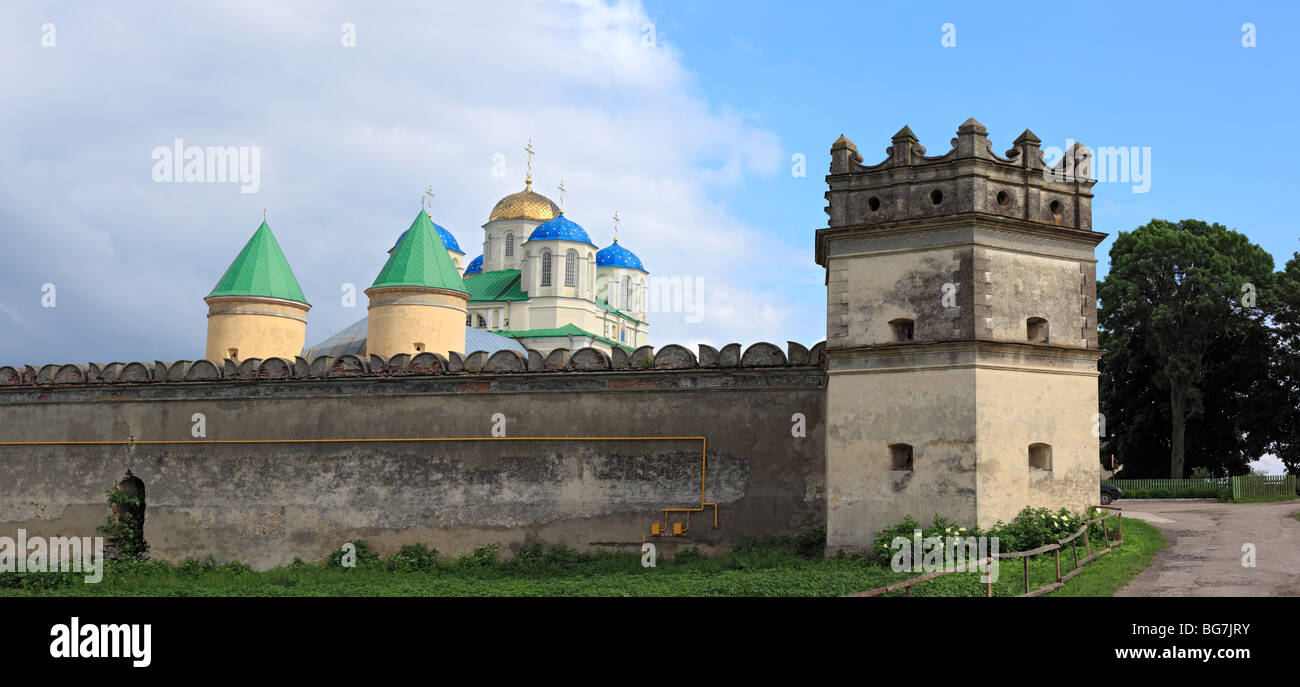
[[1204, 557]]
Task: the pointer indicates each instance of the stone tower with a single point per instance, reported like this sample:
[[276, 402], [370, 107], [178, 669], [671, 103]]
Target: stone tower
[[961, 334], [418, 302], [257, 310]]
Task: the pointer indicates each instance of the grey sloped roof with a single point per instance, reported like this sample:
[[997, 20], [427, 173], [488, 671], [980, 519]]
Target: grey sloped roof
[[352, 340], [479, 340]]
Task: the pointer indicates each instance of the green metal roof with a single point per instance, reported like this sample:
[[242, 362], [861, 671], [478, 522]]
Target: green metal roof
[[609, 308], [557, 332], [420, 260], [260, 270], [498, 285]]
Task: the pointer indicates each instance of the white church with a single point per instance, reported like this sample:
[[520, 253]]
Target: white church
[[540, 283]]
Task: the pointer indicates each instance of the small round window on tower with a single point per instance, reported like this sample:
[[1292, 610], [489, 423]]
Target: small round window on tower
[[873, 203], [1056, 207], [1003, 198], [936, 196]]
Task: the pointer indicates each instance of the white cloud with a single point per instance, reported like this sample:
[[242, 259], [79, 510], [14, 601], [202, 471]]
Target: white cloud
[[1269, 464], [350, 137]]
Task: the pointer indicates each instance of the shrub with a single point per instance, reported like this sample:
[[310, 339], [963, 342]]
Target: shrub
[[690, 555], [414, 558], [483, 557], [364, 556], [563, 556], [125, 531], [1030, 529], [810, 544], [939, 527], [530, 554]]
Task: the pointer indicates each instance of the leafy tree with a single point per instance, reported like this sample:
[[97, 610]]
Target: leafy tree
[[1183, 313], [1286, 369]]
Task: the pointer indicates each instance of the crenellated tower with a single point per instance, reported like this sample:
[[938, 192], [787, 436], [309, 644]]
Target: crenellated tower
[[961, 334]]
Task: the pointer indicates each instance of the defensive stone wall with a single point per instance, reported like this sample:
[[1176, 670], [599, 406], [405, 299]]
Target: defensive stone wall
[[267, 460]]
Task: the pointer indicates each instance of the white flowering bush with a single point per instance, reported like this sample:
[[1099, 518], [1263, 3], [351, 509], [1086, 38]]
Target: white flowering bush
[[1030, 529]]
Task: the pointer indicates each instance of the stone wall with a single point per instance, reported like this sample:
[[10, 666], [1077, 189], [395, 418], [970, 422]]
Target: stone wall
[[263, 484]]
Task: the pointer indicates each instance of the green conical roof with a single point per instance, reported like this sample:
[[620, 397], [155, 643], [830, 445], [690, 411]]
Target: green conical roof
[[420, 260], [260, 270]]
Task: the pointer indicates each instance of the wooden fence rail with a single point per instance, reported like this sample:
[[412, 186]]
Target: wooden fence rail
[[1054, 549]]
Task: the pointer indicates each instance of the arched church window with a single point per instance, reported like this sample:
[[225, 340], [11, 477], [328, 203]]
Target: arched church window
[[627, 292], [482, 323], [546, 268], [510, 245], [571, 268]]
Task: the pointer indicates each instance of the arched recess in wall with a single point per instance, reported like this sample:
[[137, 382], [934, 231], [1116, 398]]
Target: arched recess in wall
[[1040, 456], [1036, 329], [126, 521]]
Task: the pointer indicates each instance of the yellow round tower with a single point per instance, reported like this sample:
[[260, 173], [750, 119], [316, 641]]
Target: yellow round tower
[[418, 302], [257, 309]]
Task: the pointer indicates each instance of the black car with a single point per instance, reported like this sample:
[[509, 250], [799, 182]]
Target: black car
[[1109, 494]]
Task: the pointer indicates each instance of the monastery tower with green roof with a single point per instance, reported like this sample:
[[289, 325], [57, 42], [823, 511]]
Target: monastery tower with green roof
[[257, 310], [418, 302]]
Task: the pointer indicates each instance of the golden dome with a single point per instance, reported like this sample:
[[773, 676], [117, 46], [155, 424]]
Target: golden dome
[[525, 205]]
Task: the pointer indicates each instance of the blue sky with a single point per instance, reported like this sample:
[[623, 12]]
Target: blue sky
[[1170, 76], [689, 138]]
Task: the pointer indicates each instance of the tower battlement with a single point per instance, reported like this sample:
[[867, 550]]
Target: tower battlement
[[964, 246], [970, 178]]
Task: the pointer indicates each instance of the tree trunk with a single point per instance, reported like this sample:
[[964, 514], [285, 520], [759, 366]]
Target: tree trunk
[[1178, 421]]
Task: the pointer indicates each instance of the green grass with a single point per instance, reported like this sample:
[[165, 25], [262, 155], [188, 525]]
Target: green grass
[[774, 566], [1109, 573]]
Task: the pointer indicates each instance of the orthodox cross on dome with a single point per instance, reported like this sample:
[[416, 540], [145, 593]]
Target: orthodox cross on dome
[[528, 180], [430, 195], [616, 226], [561, 188], [263, 214]]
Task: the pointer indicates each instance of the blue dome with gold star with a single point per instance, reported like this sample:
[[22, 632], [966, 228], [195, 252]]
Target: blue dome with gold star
[[475, 266], [615, 255], [561, 228], [448, 240]]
